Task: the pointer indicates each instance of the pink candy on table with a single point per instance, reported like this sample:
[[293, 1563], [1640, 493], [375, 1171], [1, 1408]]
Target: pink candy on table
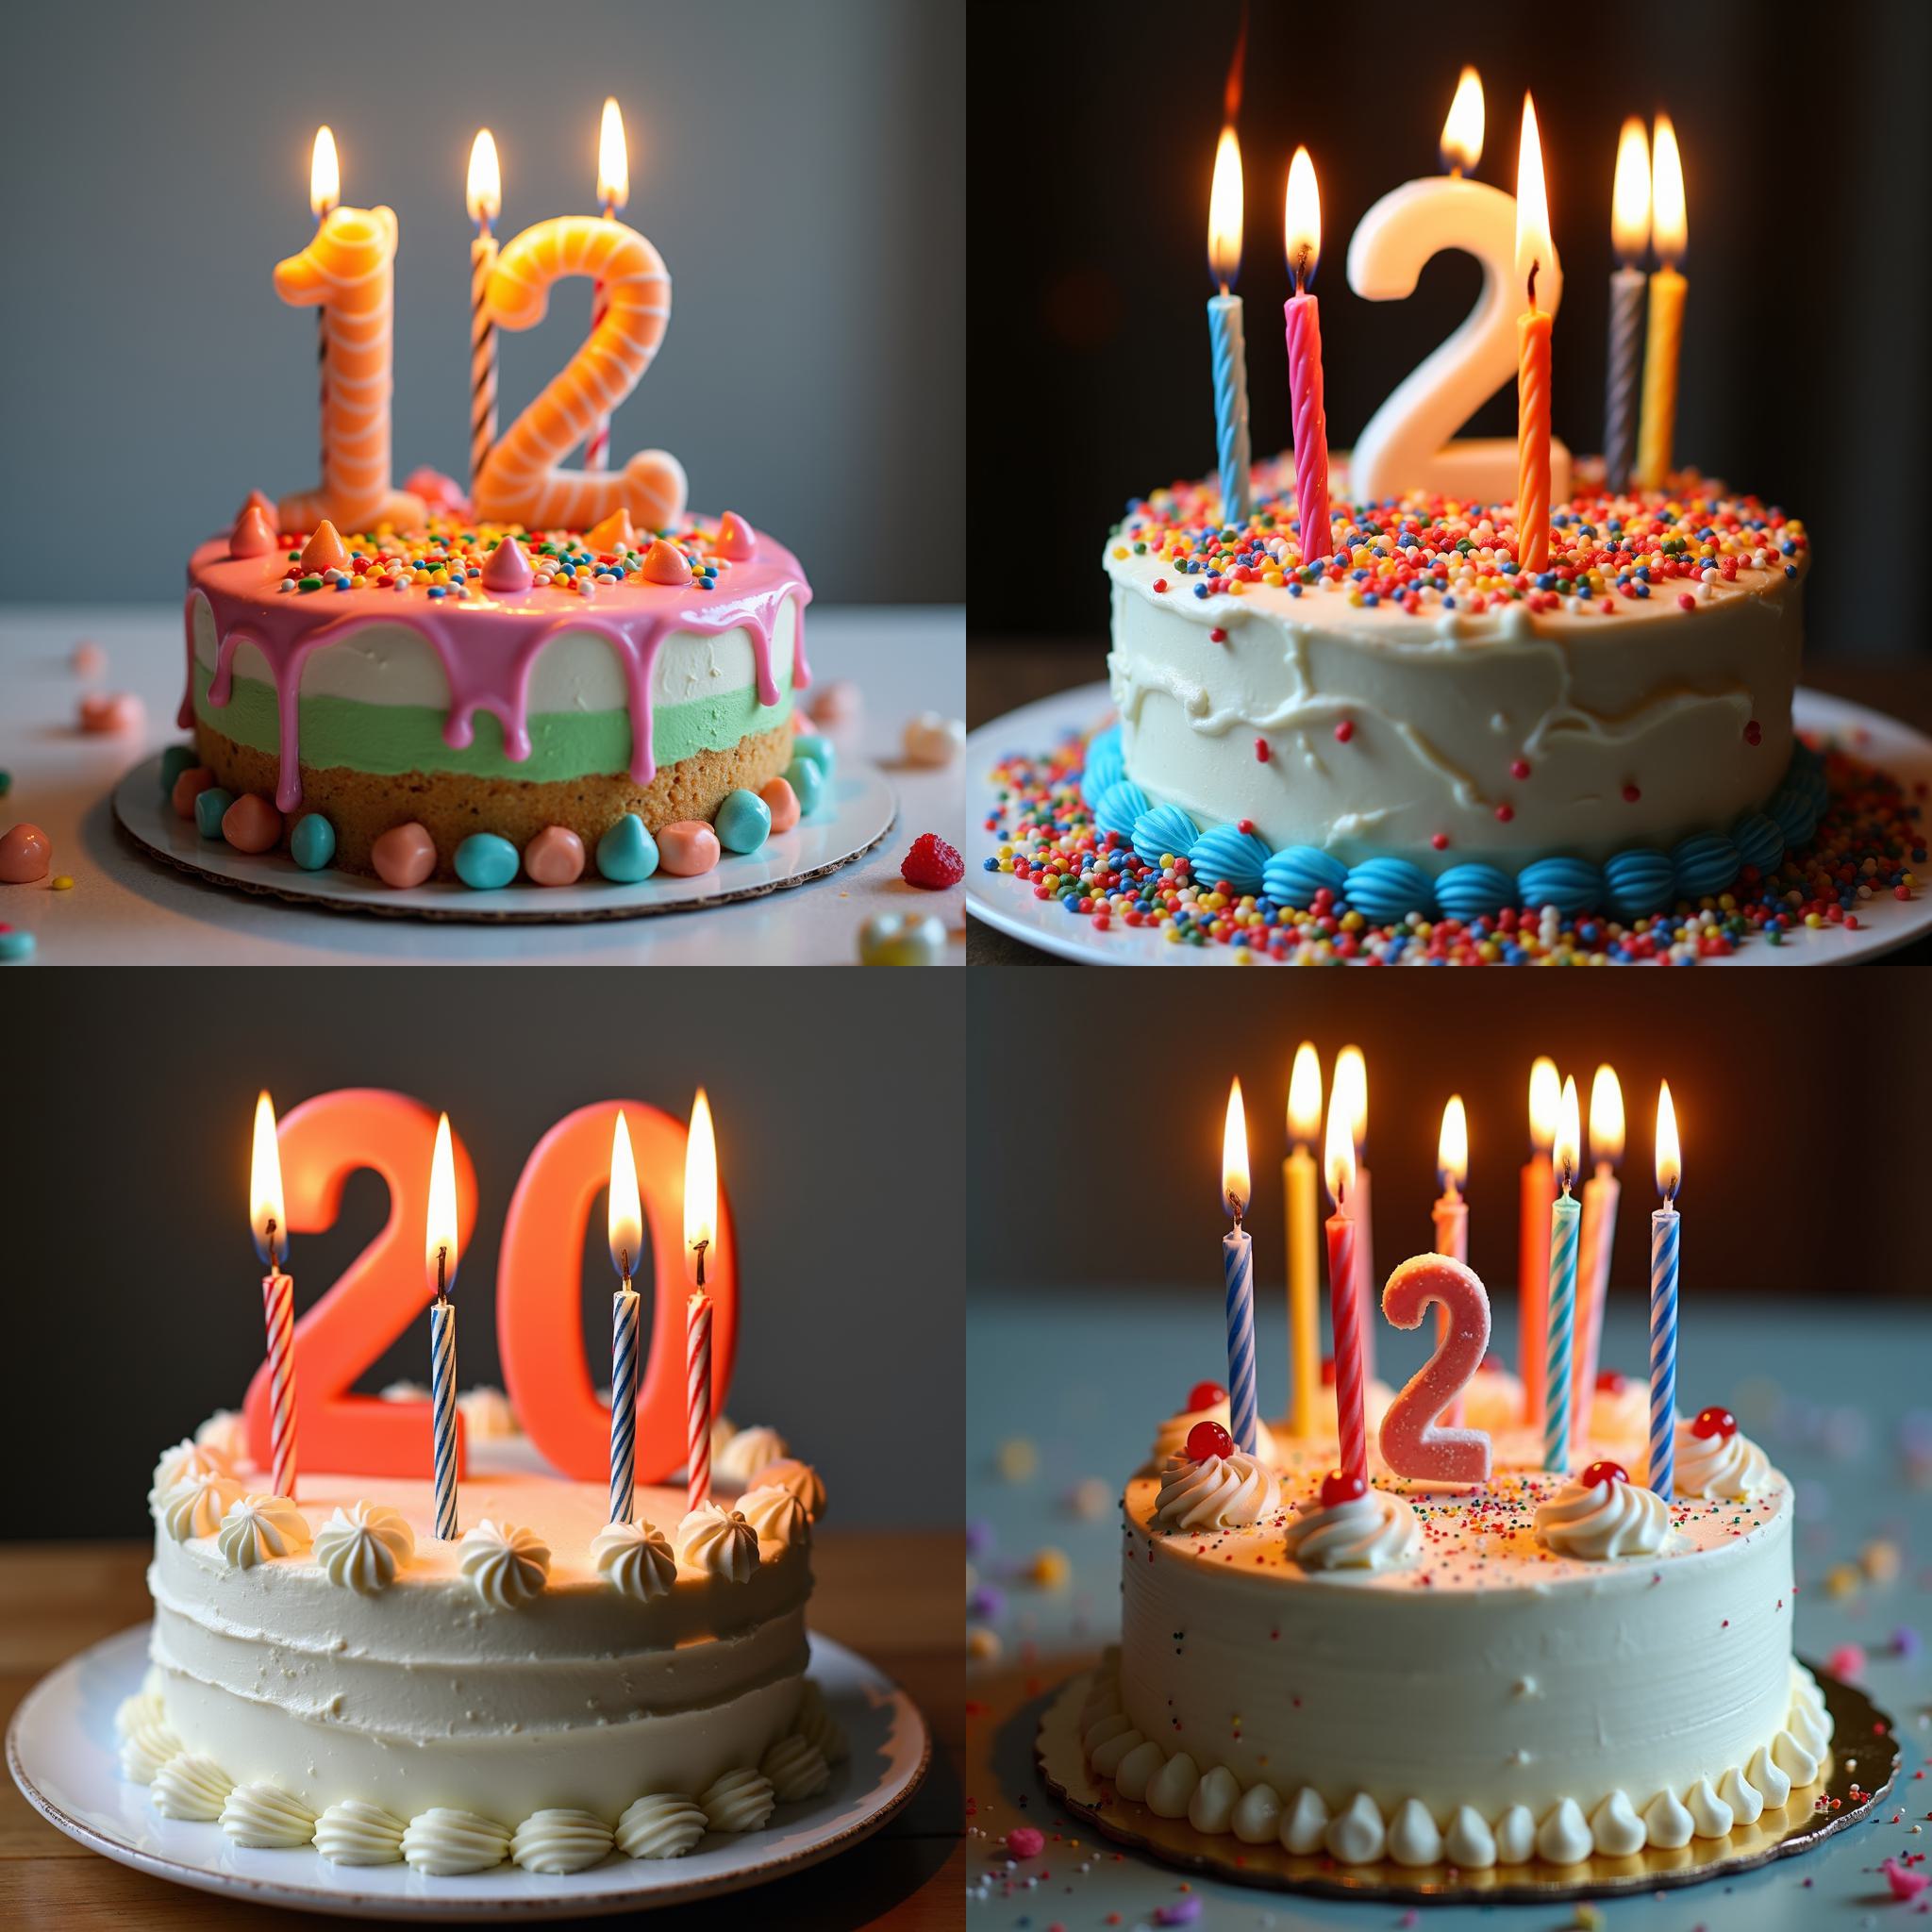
[[1903, 1883], [188, 787], [1026, 1842], [87, 659], [1847, 1660], [111, 711], [687, 848], [403, 855], [555, 857], [25, 856], [779, 795], [839, 702], [252, 823]]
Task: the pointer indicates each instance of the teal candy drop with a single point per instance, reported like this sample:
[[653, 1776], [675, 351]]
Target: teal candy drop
[[743, 822], [627, 853], [485, 862], [312, 843]]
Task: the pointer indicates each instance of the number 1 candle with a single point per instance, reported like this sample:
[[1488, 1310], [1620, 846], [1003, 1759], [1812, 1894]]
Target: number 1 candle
[[1630, 237], [440, 1260], [1664, 1301], [626, 1222], [1237, 1269], [1351, 1421], [1533, 357], [1451, 1216], [1563, 1307], [1303, 1288], [1302, 236], [270, 1221], [1668, 289], [1597, 1236], [1226, 334], [1538, 1190], [700, 1236]]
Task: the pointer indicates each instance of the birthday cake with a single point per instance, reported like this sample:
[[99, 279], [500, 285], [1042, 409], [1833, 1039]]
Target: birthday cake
[[326, 1673]]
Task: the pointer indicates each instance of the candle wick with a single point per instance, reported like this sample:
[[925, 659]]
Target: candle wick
[[1532, 282], [699, 1248], [442, 1270]]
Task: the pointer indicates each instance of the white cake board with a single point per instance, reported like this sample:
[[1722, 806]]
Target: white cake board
[[1004, 903], [63, 1751], [856, 813]]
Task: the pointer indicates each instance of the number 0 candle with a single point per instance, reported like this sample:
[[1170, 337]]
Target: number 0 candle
[[440, 1263], [1226, 334], [1664, 1301], [1298, 1178], [1237, 1269], [270, 1223], [1302, 236], [626, 1230], [1562, 1309], [1533, 357], [700, 1241]]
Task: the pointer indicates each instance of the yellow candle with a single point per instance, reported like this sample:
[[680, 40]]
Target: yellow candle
[[1669, 230], [1533, 357], [1298, 1186]]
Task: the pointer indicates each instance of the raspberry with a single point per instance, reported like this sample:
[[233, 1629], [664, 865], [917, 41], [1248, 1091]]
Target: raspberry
[[1209, 1439], [932, 863]]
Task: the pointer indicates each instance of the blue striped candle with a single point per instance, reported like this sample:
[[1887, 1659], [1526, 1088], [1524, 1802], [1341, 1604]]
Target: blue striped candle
[[1229, 341], [1238, 1265], [623, 1402], [442, 1412], [1663, 1349], [1563, 1218]]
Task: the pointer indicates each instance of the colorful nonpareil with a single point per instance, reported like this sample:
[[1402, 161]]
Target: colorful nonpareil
[[626, 1235], [1596, 1239], [1411, 1443], [1630, 237], [1669, 233], [1538, 1194], [268, 1218], [1533, 355], [1238, 1273], [1226, 334], [1564, 1214], [1345, 1313], [1302, 315], [1664, 1301], [1298, 1181], [700, 1236], [440, 1262], [484, 199]]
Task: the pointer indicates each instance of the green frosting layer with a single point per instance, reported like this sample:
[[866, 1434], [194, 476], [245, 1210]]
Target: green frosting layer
[[390, 738]]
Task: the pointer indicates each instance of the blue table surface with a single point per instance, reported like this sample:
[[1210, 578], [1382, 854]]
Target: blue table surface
[[1836, 1391]]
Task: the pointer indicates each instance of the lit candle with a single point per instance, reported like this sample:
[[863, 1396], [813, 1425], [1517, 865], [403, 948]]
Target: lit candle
[[439, 1264], [1564, 1216], [1351, 1421], [1461, 146], [483, 197], [1298, 1179], [1351, 1094], [700, 1238], [1226, 334], [626, 1230], [1597, 1236], [324, 191], [1237, 1270], [613, 192], [1664, 1300], [1630, 237], [270, 1223], [1302, 238], [1451, 1214], [1533, 1244], [1669, 233], [1532, 357]]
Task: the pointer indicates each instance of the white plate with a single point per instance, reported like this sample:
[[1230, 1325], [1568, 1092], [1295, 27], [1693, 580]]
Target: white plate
[[63, 1751], [859, 814], [1001, 902]]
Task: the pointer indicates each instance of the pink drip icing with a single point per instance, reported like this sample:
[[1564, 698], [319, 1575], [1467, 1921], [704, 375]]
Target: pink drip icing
[[488, 646]]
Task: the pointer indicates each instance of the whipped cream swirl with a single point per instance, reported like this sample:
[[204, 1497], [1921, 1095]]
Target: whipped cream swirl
[[719, 1542], [801, 1478], [361, 1548], [796, 1768], [555, 1843], [226, 1433], [1375, 1531], [196, 1504], [635, 1560], [1719, 1469], [777, 1516], [1233, 1491], [749, 1451], [738, 1801], [506, 1565], [185, 1459], [354, 1832], [1599, 1521], [259, 1528], [487, 1414], [266, 1817], [444, 1844], [660, 1825]]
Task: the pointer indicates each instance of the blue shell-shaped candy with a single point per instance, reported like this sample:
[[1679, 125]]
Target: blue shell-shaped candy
[[1227, 852], [1474, 892], [1121, 806], [1639, 882], [1759, 840], [1793, 814], [1571, 885], [1164, 829], [1706, 863], [1388, 890], [1105, 767], [1297, 873]]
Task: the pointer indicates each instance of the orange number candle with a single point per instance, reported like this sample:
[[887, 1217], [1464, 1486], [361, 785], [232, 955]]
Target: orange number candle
[[1532, 357], [614, 191], [1669, 233], [522, 481]]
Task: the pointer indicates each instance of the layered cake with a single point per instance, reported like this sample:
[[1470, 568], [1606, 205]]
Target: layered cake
[[545, 1687]]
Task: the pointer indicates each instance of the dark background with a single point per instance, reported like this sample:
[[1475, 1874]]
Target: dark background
[[132, 1288], [1806, 149], [1094, 1148]]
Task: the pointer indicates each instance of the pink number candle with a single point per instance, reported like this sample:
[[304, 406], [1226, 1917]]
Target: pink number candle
[[1562, 1310], [1412, 1444], [613, 192], [1302, 235], [1451, 1216], [1597, 1237], [1298, 1179], [1538, 1191], [1630, 237], [484, 199], [269, 1218], [1668, 288], [1533, 357], [700, 1236], [626, 1225], [1351, 1424], [439, 1265], [1351, 1094]]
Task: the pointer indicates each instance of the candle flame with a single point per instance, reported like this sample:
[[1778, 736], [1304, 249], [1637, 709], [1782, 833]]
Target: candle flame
[[700, 1191], [1533, 248], [1669, 1160], [1630, 196], [1234, 1154], [483, 195], [324, 174], [1350, 1093], [1606, 1116], [1671, 225], [626, 1219], [1451, 1145], [265, 1186], [1568, 1134], [1462, 132], [1224, 212], [1301, 219], [613, 160], [1338, 1150], [1305, 1095], [440, 1232], [1545, 1096]]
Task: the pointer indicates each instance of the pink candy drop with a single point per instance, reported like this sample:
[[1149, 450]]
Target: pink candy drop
[[403, 855]]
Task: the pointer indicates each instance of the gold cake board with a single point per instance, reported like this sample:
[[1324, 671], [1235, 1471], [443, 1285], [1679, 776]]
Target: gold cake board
[[1854, 1780]]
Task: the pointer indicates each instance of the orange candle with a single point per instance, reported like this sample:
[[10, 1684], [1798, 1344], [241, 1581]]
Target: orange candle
[[1532, 357]]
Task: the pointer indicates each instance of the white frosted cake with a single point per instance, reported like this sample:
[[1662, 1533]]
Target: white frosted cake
[[325, 1672]]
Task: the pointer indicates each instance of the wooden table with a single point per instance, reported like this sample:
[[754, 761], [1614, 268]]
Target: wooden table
[[1004, 673], [892, 1598]]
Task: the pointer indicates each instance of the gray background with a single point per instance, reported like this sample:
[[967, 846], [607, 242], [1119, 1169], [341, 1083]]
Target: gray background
[[801, 167], [131, 1287]]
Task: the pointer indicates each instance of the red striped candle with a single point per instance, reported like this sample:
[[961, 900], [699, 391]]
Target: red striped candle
[[700, 1232], [1344, 1301], [1302, 228], [697, 1357]]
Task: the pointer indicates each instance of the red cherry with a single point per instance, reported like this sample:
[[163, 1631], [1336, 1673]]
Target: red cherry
[[1209, 1439], [1206, 1395], [1609, 1382], [1715, 1422], [1605, 1473], [1342, 1486]]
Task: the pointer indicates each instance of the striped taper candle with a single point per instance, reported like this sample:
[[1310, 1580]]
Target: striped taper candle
[[442, 1412], [1663, 1349], [1630, 237], [697, 1356], [1345, 1287], [278, 1312], [623, 1402], [1238, 1267], [1228, 342], [1302, 315], [1564, 1216], [325, 193], [483, 197]]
